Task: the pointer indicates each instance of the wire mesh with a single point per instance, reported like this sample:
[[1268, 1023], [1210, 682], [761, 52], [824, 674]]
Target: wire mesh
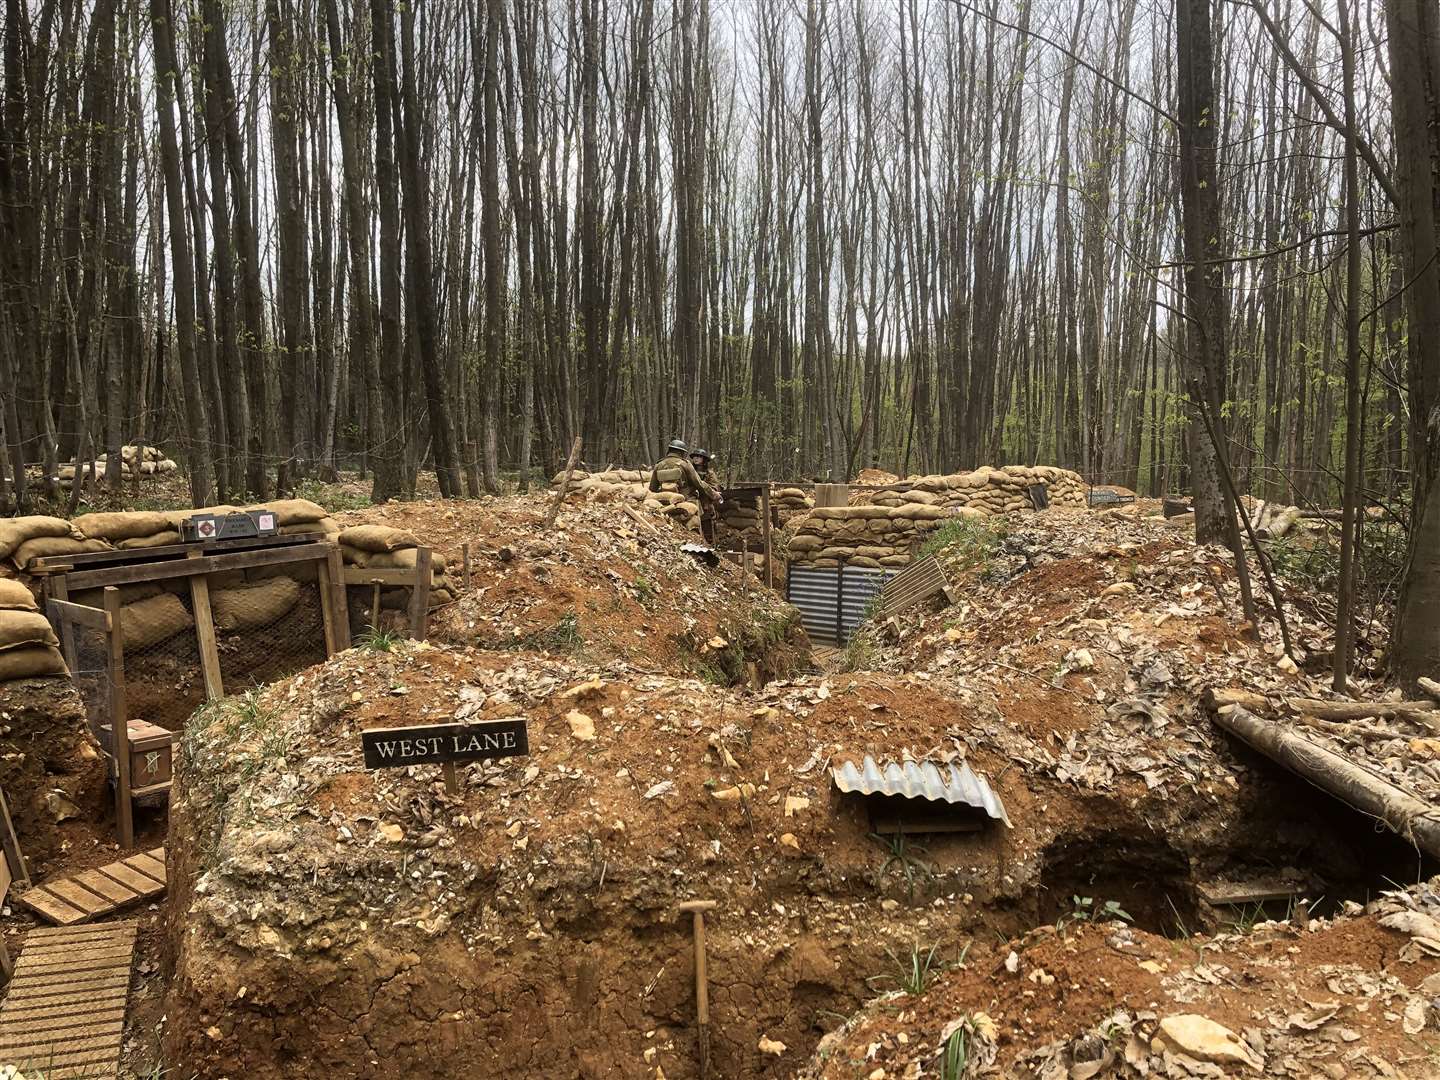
[[87, 652]]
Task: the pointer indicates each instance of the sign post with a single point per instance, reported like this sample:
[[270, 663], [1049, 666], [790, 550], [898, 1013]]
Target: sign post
[[444, 744]]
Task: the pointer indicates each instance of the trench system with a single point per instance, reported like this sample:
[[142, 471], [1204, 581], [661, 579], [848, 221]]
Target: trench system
[[1149, 860]]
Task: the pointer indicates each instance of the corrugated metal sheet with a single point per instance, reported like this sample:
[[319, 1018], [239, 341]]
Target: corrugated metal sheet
[[858, 588], [815, 591], [921, 780]]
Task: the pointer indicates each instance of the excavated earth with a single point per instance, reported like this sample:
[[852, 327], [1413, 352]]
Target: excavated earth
[[328, 920]]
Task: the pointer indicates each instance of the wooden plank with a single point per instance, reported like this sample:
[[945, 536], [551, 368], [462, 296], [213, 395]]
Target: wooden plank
[[92, 986], [51, 907], [420, 595], [109, 888], [205, 638], [76, 1023], [98, 559], [358, 575], [143, 885], [49, 935], [84, 1004], [119, 721], [77, 895], [765, 535], [79, 958], [147, 864], [325, 570], [91, 618], [13, 857], [306, 551], [157, 853]]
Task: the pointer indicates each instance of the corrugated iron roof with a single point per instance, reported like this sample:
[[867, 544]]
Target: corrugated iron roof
[[950, 783]]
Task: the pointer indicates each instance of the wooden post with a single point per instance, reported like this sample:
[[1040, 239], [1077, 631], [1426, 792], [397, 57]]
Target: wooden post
[[119, 721], [420, 595], [375, 607], [7, 966], [465, 566], [765, 534], [554, 510], [14, 858], [205, 635], [332, 602], [56, 589]]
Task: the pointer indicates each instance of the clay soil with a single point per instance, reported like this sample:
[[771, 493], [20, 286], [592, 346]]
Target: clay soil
[[330, 920]]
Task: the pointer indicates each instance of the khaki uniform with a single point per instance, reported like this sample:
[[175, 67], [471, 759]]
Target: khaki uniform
[[674, 472], [710, 511]]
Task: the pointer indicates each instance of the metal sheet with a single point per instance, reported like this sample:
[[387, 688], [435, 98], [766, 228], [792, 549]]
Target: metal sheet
[[815, 591], [859, 588], [949, 783]]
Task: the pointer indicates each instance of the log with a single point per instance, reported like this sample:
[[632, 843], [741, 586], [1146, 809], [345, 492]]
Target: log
[[1279, 523], [1430, 686], [1216, 698], [1416, 821], [554, 510]]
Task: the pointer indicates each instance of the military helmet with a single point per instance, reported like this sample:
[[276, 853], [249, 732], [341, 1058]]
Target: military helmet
[[698, 452], [677, 445]]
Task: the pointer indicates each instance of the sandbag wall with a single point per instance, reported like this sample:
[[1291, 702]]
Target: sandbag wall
[[141, 460], [380, 547], [632, 486], [28, 646], [869, 536], [987, 489]]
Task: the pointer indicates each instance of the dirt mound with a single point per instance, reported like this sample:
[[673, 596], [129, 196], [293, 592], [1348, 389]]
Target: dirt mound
[[50, 767], [601, 584], [1349, 996], [326, 918]]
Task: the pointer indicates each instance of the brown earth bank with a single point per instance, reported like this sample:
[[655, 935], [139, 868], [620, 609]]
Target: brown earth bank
[[326, 918]]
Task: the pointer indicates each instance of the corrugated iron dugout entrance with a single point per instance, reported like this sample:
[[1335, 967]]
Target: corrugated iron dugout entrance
[[833, 601]]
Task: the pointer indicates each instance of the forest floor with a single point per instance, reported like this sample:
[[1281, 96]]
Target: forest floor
[[1069, 674]]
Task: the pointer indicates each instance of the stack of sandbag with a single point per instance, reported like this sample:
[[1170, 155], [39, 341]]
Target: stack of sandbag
[[868, 536], [380, 547], [141, 460], [129, 529], [740, 517], [28, 647], [992, 490], [24, 539], [630, 485], [788, 502]]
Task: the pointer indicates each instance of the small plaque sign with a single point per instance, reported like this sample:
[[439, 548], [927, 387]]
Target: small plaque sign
[[436, 744]]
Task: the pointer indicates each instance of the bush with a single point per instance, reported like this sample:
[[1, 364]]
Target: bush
[[965, 543]]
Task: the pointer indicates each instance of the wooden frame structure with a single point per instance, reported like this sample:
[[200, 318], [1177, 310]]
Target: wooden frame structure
[[64, 575]]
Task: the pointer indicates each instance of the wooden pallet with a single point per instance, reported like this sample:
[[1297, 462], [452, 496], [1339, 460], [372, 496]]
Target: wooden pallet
[[65, 1012], [94, 893]]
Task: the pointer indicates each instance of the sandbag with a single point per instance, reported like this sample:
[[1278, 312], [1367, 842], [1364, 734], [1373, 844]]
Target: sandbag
[[405, 559], [121, 525], [323, 527], [15, 531], [293, 511], [398, 599], [25, 628], [254, 606], [42, 547], [30, 662], [160, 539], [129, 594], [377, 538], [16, 596], [149, 622]]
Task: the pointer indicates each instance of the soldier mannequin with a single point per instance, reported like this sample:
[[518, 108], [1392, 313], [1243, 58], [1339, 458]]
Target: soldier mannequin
[[701, 460], [674, 472]]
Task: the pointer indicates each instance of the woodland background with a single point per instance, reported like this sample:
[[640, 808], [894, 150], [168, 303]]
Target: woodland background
[[278, 236]]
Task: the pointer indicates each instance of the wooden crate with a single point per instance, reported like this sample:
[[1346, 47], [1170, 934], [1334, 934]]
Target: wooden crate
[[150, 758]]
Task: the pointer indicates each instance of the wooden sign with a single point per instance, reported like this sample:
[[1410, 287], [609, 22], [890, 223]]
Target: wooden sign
[[438, 744]]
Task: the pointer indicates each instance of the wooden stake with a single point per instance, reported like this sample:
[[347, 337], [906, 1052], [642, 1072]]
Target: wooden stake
[[420, 595], [14, 858], [119, 722], [465, 566], [765, 535], [554, 510], [205, 635]]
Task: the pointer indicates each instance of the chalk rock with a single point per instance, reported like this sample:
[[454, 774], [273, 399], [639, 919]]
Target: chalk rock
[[581, 726], [771, 1046], [1203, 1038], [59, 807]]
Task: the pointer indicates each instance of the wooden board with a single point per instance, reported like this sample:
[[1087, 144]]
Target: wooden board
[[89, 895], [918, 581], [65, 1011]]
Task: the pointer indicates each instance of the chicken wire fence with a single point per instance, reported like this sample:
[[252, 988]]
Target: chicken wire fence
[[87, 652], [165, 678]]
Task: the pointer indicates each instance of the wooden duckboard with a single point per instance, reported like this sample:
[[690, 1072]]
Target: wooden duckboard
[[65, 1011], [96, 893]]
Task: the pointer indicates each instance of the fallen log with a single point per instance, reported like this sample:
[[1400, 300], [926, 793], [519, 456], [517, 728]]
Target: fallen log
[[1430, 686], [1217, 698], [1278, 523], [1416, 821]]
